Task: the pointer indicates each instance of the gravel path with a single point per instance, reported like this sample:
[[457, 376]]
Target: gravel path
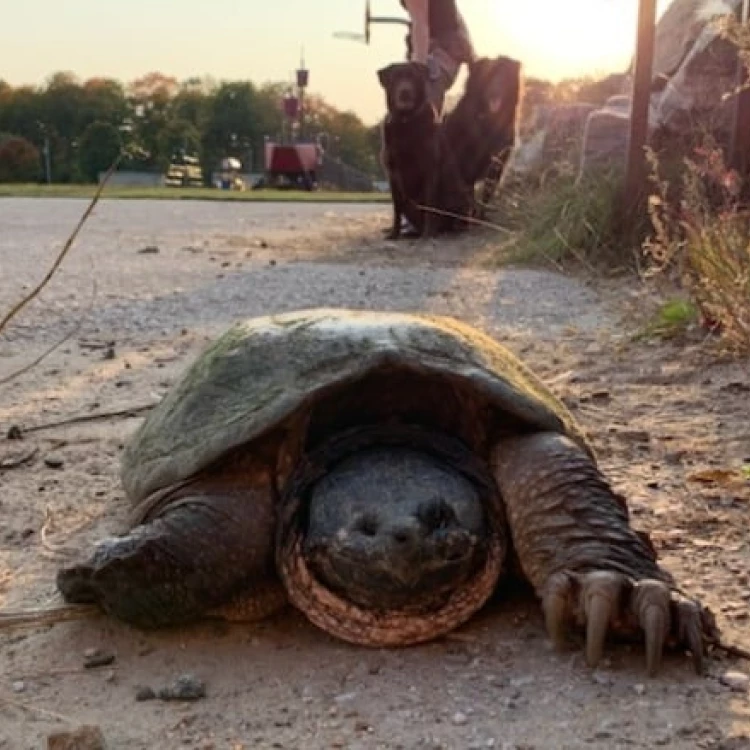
[[282, 684]]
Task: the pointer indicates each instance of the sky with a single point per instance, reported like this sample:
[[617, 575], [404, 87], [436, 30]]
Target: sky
[[262, 41]]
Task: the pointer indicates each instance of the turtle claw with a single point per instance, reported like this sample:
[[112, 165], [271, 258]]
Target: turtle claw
[[607, 602], [650, 603]]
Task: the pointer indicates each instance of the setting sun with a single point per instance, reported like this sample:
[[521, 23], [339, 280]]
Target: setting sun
[[557, 40]]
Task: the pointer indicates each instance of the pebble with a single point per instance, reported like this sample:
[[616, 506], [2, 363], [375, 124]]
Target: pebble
[[54, 462], [639, 688], [601, 679], [14, 433], [96, 657], [149, 250], [739, 682], [144, 693], [83, 738], [19, 686], [459, 718], [185, 688]]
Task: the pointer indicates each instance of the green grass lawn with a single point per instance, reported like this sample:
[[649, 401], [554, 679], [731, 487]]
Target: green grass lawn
[[200, 194]]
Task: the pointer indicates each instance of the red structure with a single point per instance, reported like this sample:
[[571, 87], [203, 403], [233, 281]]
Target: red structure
[[293, 162]]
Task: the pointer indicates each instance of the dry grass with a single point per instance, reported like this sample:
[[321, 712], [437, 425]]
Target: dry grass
[[565, 222], [702, 241]]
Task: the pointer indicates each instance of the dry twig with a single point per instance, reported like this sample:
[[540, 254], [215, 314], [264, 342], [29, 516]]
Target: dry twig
[[61, 255], [127, 412], [49, 615], [14, 463], [31, 365]]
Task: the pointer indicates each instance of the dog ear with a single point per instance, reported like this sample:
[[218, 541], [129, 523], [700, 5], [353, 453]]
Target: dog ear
[[385, 75]]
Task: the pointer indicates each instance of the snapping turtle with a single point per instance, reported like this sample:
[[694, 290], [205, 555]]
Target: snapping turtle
[[381, 471]]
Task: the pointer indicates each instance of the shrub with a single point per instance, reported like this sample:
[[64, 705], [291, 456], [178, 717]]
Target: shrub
[[100, 145], [702, 240], [561, 219], [19, 160]]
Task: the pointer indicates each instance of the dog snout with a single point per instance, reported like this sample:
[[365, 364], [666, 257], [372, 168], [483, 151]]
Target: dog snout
[[404, 96]]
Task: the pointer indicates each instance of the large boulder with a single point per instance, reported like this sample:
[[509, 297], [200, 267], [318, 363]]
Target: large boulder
[[694, 66], [694, 69]]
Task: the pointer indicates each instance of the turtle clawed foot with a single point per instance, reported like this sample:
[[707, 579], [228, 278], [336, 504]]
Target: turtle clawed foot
[[604, 602]]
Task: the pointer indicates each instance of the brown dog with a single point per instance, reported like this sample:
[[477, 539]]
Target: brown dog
[[411, 146], [480, 132]]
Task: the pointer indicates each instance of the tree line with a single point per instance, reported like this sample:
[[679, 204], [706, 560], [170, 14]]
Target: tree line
[[74, 129]]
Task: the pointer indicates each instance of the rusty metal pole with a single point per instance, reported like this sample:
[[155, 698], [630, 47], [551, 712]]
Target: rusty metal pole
[[740, 145], [635, 169]]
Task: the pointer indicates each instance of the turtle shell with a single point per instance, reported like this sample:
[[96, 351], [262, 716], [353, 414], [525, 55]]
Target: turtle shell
[[262, 372]]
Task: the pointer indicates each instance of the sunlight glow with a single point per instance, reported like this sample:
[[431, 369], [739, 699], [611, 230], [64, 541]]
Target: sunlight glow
[[571, 39]]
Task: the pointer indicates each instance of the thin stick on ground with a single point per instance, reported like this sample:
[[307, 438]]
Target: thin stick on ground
[[72, 332], [49, 615], [129, 411], [15, 463], [30, 708], [61, 255]]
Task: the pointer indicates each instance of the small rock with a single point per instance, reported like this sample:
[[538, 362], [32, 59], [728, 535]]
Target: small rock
[[19, 686], [54, 462], [96, 657], [639, 688], [14, 433], [459, 718], [272, 262], [109, 352], [739, 682], [144, 693], [345, 698], [83, 738], [185, 688], [601, 679], [149, 250]]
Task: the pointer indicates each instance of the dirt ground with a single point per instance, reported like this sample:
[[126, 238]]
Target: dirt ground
[[145, 288]]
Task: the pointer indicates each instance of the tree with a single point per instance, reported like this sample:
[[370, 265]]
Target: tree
[[100, 145], [354, 143], [237, 121], [19, 159], [104, 100], [178, 136]]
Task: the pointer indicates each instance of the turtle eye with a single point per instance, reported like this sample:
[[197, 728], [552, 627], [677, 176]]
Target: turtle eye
[[436, 515], [367, 525]]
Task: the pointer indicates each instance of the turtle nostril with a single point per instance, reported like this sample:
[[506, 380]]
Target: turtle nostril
[[437, 515], [401, 536]]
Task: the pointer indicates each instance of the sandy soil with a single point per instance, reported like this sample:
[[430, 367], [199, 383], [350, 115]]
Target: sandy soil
[[670, 424]]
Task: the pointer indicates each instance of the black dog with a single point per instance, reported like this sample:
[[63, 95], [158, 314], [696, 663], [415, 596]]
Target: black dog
[[411, 147], [480, 132]]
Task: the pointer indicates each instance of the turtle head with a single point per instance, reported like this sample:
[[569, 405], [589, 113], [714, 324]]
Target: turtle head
[[393, 528]]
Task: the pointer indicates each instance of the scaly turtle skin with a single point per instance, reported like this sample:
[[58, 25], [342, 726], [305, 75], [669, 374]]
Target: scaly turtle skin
[[378, 470]]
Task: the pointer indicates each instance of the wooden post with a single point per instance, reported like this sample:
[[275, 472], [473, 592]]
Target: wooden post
[[635, 169], [740, 145]]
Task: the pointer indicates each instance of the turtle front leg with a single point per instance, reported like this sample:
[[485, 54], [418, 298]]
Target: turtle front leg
[[199, 553], [575, 545]]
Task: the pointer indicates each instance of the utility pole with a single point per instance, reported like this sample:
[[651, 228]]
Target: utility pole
[[303, 78], [635, 170]]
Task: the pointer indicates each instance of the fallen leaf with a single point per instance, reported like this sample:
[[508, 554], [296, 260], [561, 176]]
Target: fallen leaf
[[724, 477]]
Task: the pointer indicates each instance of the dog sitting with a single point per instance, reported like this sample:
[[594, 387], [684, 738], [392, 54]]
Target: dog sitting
[[411, 147], [480, 132]]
